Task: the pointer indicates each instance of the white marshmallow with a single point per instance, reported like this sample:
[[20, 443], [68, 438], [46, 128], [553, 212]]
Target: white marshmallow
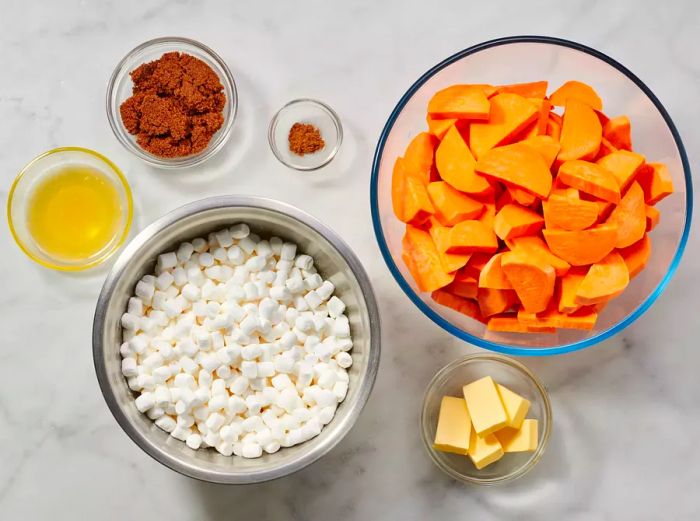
[[167, 261]]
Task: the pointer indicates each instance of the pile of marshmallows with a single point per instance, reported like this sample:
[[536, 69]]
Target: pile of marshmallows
[[237, 343]]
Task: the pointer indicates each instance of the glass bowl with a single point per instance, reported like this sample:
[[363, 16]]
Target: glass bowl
[[522, 59], [315, 113], [505, 371], [120, 88], [45, 165]]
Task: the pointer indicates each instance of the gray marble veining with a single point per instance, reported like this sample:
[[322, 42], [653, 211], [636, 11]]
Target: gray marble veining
[[626, 422]]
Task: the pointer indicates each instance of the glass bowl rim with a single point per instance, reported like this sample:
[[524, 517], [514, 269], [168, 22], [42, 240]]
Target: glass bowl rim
[[545, 423], [508, 348], [187, 161], [107, 253], [273, 125]]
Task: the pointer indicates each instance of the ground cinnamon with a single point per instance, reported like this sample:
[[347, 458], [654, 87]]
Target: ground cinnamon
[[176, 106], [305, 139]]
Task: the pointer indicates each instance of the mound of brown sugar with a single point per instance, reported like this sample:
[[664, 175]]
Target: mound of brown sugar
[[176, 106]]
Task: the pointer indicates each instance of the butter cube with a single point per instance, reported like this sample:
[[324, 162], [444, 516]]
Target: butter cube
[[515, 405], [454, 426], [485, 407], [484, 450], [523, 439]]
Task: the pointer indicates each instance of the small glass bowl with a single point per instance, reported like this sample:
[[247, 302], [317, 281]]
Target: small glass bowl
[[310, 111], [20, 197], [513, 375], [120, 88]]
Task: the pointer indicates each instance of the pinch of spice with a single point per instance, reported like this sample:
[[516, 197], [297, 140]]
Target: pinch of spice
[[305, 138]]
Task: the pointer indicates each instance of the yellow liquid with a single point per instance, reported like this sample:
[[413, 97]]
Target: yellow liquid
[[74, 213]]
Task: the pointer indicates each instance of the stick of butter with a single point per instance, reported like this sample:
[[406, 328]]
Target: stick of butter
[[515, 405], [523, 439], [484, 450], [454, 426], [485, 407]]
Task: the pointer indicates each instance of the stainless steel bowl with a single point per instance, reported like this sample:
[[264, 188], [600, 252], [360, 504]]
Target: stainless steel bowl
[[335, 261]]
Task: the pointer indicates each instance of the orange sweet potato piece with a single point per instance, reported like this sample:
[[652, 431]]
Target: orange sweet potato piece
[[568, 285], [492, 275], [452, 206], [517, 165], [510, 114], [653, 216], [534, 89], [463, 285], [618, 132], [439, 127], [462, 305], [531, 278], [554, 126], [423, 261], [520, 196], [409, 196], [624, 165], [419, 156], [545, 107], [534, 245], [488, 215], [509, 323], [584, 318], [637, 255], [581, 132], [582, 247], [471, 236], [590, 178], [546, 146], [630, 217], [576, 90], [494, 301], [656, 182], [568, 212], [460, 101], [515, 221], [605, 279], [455, 165], [450, 261]]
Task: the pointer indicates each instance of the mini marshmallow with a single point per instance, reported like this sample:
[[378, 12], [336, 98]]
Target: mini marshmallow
[[288, 251], [343, 359], [135, 307], [206, 259], [251, 450], [265, 369], [129, 367], [179, 277], [325, 290], [167, 261], [145, 401], [336, 307], [199, 245], [167, 423], [184, 252], [239, 231], [130, 321], [164, 280], [313, 299], [313, 281], [304, 262], [144, 290]]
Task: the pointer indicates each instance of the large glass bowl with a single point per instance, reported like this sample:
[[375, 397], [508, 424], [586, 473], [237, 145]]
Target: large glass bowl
[[530, 58]]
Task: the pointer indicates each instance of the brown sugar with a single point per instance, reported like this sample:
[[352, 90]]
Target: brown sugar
[[176, 106], [305, 139]]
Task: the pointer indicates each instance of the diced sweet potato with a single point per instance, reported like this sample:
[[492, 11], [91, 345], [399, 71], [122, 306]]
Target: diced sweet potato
[[605, 279], [624, 165], [409, 196], [579, 248], [590, 178], [452, 206], [532, 279], [581, 132], [460, 101], [630, 217], [517, 165], [579, 91], [655, 180], [515, 221], [423, 261], [455, 165]]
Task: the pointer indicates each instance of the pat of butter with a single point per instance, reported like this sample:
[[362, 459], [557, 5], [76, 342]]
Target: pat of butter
[[454, 426], [523, 439], [485, 407], [515, 405], [484, 450]]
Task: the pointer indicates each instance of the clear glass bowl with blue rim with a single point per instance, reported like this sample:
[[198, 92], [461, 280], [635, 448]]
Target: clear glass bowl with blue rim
[[529, 58]]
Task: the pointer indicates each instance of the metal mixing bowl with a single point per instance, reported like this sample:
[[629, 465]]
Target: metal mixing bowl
[[334, 260]]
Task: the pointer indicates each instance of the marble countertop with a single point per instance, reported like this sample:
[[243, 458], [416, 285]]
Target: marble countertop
[[626, 411]]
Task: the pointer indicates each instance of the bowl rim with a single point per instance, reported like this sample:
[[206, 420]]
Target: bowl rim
[[273, 142], [445, 324], [177, 162], [171, 218], [122, 234], [545, 422]]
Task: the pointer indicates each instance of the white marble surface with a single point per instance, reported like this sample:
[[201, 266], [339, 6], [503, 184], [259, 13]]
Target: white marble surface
[[626, 412]]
